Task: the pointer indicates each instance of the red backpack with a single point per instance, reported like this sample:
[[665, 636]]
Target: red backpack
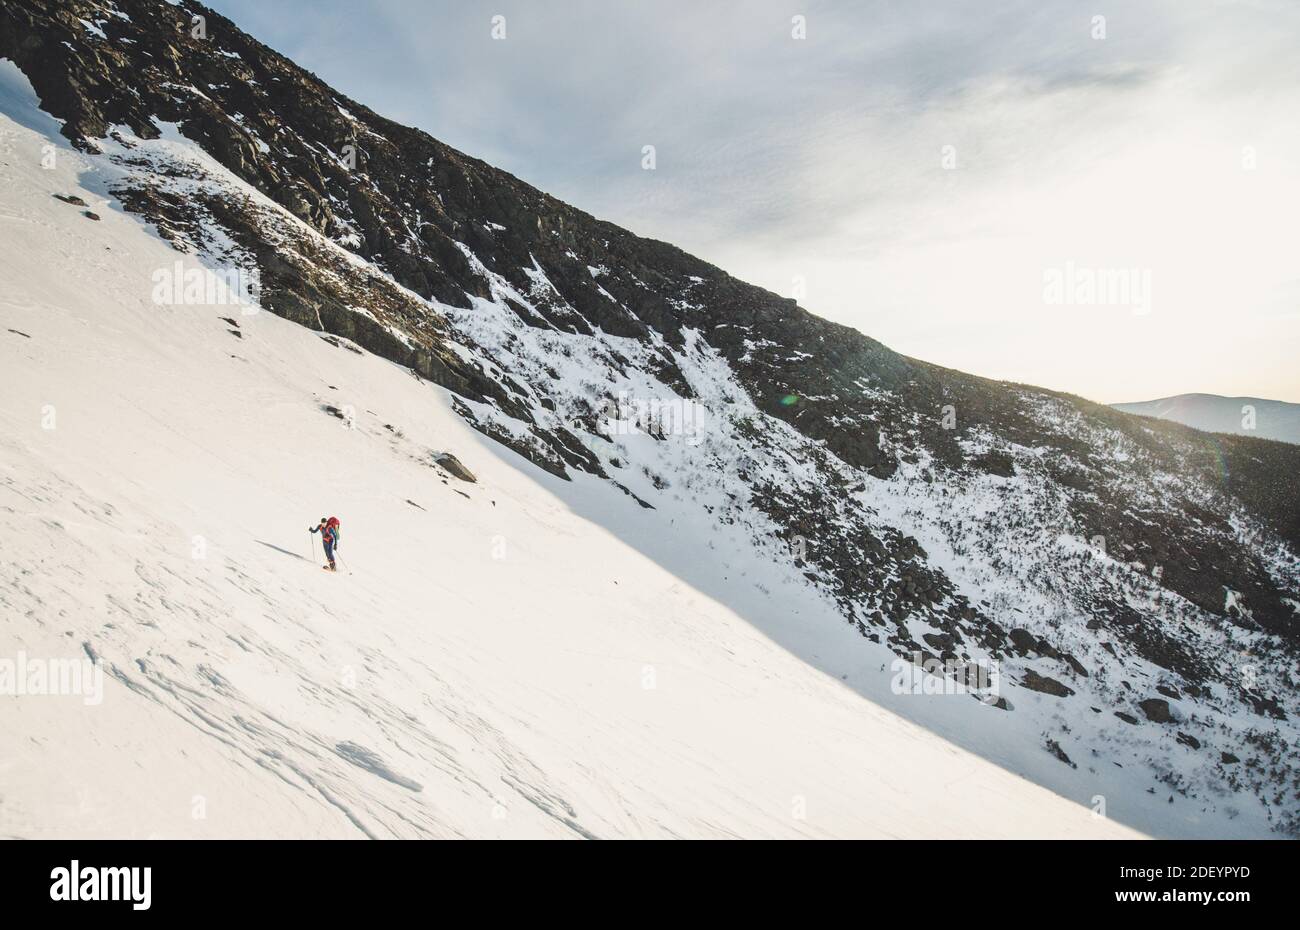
[[333, 525]]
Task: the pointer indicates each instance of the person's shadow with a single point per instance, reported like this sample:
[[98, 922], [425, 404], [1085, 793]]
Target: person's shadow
[[278, 549]]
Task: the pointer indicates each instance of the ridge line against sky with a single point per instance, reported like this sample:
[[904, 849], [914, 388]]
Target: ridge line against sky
[[1026, 192]]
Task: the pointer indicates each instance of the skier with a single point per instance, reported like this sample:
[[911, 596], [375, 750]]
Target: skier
[[329, 534]]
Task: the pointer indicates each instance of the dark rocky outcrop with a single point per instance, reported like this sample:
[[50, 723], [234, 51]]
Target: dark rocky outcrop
[[1036, 682], [1156, 710], [1055, 749]]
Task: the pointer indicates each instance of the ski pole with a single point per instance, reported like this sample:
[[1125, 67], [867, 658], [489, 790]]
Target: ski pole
[[312, 536]]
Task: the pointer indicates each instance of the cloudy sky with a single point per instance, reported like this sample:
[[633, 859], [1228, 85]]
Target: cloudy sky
[[1022, 190]]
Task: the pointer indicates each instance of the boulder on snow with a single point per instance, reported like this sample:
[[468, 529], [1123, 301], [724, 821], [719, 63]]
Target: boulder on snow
[[1074, 664], [1055, 749], [992, 700], [454, 467], [1157, 710], [1023, 640], [1036, 682]]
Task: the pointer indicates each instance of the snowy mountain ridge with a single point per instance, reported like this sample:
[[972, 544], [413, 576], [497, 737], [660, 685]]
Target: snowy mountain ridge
[[1134, 583]]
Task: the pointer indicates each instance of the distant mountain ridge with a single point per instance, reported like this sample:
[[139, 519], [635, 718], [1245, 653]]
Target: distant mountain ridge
[[1214, 413]]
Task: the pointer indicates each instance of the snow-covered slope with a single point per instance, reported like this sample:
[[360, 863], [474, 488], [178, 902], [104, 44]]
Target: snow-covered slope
[[1213, 413], [492, 664], [1134, 583]]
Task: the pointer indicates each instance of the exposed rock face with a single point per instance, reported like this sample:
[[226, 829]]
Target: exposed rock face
[[1027, 525]]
